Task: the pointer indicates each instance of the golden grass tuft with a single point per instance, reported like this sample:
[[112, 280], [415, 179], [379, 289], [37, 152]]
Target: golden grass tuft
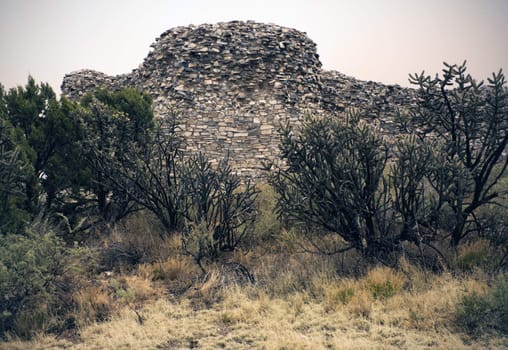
[[142, 288], [474, 255], [176, 274], [383, 282], [360, 303], [338, 294], [171, 269]]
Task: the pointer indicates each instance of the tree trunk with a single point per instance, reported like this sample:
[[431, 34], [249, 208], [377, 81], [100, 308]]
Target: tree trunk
[[457, 231]]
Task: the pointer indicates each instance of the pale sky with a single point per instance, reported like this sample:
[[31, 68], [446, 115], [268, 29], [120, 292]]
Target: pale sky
[[379, 40]]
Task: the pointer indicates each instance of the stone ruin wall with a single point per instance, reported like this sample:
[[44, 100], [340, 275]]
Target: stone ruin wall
[[234, 83]]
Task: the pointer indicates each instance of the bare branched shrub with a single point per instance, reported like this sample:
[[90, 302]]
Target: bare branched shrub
[[466, 121], [220, 211], [333, 180]]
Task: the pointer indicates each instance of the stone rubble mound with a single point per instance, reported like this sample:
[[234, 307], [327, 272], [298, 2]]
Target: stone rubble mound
[[233, 83]]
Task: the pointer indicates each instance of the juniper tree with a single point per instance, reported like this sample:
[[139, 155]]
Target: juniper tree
[[50, 129], [14, 169], [114, 125]]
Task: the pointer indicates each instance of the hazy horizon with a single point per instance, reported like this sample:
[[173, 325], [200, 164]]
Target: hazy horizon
[[371, 40]]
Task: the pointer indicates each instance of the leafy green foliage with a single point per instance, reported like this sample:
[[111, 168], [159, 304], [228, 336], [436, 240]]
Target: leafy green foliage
[[50, 130], [50, 151], [13, 172], [114, 124]]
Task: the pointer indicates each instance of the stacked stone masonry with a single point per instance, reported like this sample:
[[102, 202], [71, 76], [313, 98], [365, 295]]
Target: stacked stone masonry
[[234, 83]]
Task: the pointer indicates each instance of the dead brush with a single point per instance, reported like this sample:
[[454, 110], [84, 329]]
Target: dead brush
[[210, 290], [177, 273], [94, 304], [142, 289]]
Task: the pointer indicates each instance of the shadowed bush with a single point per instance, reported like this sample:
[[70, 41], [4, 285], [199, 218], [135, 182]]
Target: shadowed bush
[[478, 313], [37, 276], [219, 212]]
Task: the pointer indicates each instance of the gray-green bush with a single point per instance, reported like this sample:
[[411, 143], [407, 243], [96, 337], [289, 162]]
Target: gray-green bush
[[477, 313], [35, 281]]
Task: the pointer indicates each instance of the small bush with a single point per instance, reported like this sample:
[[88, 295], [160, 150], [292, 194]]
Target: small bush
[[37, 277], [267, 225], [480, 313], [472, 313], [344, 295], [220, 210]]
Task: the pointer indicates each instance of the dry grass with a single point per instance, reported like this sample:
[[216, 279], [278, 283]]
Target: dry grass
[[239, 322], [327, 313], [474, 255], [299, 301], [94, 304]]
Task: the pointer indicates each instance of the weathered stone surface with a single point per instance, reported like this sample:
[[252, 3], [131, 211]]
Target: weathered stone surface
[[235, 82]]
